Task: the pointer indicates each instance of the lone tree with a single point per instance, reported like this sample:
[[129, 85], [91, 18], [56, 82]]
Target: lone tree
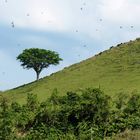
[[38, 59]]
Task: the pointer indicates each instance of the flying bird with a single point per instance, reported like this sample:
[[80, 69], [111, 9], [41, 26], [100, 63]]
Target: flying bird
[[3, 73], [12, 23], [28, 15], [18, 44], [49, 21], [76, 30]]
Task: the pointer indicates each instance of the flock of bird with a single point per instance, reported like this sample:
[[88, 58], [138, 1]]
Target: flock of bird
[[84, 4], [81, 8]]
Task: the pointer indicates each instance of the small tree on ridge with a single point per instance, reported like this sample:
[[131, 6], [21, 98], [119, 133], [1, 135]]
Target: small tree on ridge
[[38, 59]]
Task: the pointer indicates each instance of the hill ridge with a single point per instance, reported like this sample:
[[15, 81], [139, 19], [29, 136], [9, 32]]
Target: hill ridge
[[115, 70]]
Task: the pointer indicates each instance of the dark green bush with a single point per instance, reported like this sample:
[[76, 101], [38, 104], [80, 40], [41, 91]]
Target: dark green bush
[[76, 116]]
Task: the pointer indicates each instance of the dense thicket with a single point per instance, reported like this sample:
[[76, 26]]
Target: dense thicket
[[88, 114]]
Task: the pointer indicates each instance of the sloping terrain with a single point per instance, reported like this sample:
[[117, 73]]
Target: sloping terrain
[[115, 70]]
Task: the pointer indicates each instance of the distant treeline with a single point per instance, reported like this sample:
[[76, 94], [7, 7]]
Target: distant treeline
[[86, 115]]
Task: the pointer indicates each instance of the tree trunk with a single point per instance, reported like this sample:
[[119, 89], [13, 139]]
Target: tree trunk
[[37, 76]]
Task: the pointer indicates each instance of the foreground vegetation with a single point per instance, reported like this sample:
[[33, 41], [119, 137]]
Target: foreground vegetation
[[83, 115], [115, 70]]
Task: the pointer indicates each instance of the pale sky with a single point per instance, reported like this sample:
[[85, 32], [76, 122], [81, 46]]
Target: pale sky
[[76, 29]]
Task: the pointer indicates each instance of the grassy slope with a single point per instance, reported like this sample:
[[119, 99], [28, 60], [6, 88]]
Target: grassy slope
[[127, 135], [114, 70]]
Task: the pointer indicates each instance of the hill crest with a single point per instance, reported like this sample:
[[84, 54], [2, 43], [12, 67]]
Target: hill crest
[[114, 70]]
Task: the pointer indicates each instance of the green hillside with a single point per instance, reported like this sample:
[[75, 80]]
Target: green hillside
[[115, 70]]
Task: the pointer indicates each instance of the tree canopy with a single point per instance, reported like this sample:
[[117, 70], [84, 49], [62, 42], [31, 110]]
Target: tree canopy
[[38, 59]]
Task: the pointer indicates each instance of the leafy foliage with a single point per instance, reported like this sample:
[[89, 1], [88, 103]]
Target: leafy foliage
[[85, 115], [38, 59]]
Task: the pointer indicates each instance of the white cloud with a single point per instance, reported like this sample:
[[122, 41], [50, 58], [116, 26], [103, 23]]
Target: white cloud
[[60, 15], [66, 15], [120, 11]]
